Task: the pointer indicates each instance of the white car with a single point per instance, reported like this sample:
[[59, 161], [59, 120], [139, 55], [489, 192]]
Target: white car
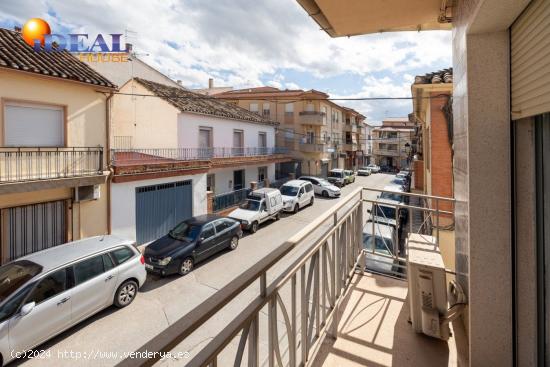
[[380, 248], [296, 195], [322, 187], [49, 291], [260, 206], [363, 171], [373, 168], [337, 177]]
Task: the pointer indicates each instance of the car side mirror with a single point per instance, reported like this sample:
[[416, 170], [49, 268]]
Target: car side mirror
[[26, 309]]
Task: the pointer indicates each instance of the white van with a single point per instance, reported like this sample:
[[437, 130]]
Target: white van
[[260, 206], [337, 177], [296, 195], [47, 292], [380, 248]]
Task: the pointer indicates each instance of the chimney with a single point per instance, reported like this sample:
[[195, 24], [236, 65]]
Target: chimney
[[210, 83], [17, 29], [129, 47], [178, 81]]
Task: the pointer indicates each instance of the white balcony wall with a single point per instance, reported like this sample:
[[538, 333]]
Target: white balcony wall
[[222, 131]]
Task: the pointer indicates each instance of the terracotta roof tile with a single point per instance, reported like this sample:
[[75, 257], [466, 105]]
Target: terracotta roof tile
[[187, 101], [16, 54], [437, 77], [262, 92]]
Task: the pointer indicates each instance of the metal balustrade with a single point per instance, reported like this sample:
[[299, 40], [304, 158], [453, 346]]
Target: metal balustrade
[[229, 199], [316, 281], [188, 154], [20, 164], [297, 305]]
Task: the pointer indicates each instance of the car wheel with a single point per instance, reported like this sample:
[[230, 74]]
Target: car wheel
[[278, 216], [311, 201], [186, 266], [234, 243], [325, 194], [254, 227], [296, 208], [126, 293]]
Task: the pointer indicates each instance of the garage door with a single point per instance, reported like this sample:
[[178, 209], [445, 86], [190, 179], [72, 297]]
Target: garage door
[[45, 123], [160, 207], [31, 228]]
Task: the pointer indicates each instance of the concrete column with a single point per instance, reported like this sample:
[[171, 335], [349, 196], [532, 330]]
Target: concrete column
[[209, 202]]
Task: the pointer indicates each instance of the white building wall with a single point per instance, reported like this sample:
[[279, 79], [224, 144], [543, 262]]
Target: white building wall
[[123, 202], [222, 131], [224, 176]]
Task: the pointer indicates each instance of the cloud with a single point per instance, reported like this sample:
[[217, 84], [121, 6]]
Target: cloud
[[242, 42]]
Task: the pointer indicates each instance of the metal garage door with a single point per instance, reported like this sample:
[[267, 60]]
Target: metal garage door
[[32, 228], [160, 207]]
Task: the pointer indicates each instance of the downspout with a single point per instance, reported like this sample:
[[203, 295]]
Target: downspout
[[108, 157]]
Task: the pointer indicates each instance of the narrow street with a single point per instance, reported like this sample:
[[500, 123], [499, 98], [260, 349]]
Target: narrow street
[[164, 300]]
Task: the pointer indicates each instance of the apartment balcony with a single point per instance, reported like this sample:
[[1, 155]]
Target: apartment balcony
[[350, 147], [128, 163], [350, 127], [313, 301], [312, 118], [24, 169], [390, 152], [313, 147]]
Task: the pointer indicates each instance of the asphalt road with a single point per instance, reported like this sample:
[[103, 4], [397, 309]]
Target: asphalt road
[[102, 339]]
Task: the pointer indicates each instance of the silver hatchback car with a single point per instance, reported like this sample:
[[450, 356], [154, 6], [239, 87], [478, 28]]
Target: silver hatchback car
[[47, 292]]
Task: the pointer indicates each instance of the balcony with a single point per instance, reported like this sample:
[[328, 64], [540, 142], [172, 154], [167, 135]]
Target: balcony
[[390, 152], [312, 118], [313, 147], [350, 127], [311, 302], [349, 147], [128, 163], [30, 167]]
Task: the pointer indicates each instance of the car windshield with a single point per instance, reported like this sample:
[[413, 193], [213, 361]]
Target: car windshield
[[336, 174], [398, 181], [289, 190], [392, 196], [324, 183], [253, 205], [364, 168], [386, 212], [383, 245], [14, 275], [185, 231]]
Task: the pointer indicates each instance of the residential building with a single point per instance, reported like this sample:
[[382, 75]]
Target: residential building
[[311, 126], [368, 145], [392, 143], [501, 109], [183, 145], [53, 142], [353, 137]]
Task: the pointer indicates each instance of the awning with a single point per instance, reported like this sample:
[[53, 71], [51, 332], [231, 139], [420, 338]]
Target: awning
[[353, 17]]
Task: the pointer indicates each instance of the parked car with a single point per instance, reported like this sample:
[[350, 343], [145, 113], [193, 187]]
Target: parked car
[[191, 241], [296, 195], [322, 187], [364, 171], [399, 181], [349, 176], [384, 211], [260, 206], [337, 177], [380, 248], [394, 192], [49, 291], [373, 168]]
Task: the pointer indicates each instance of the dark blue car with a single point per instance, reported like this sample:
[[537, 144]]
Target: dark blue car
[[190, 242]]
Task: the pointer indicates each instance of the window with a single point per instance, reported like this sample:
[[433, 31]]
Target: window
[[324, 113], [266, 110], [262, 174], [273, 201], [262, 140], [289, 108], [223, 224], [88, 269], [348, 137], [208, 231], [310, 107], [310, 137], [49, 286], [254, 107], [205, 137], [10, 307], [46, 123], [211, 182], [238, 136], [122, 255], [309, 188], [107, 262]]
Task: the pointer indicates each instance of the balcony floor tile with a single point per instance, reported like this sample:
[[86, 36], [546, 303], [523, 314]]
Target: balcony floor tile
[[374, 331]]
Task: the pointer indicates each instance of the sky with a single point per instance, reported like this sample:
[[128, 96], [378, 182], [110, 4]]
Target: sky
[[250, 43]]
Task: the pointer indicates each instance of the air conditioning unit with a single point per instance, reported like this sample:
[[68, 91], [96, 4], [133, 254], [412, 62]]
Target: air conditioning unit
[[87, 193], [430, 313]]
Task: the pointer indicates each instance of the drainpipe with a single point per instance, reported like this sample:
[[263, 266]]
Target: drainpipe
[[108, 156]]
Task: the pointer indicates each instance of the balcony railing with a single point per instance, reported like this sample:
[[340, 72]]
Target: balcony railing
[[229, 199], [20, 164], [309, 275], [390, 152], [312, 118], [189, 154]]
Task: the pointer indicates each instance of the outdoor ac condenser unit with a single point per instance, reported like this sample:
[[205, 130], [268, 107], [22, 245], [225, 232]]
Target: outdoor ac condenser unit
[[86, 193], [427, 287]]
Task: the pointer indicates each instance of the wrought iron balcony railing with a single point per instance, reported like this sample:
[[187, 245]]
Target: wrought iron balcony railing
[[20, 164], [189, 154]]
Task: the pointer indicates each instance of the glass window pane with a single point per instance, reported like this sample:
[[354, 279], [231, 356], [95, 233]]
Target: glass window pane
[[122, 254], [88, 269], [50, 286]]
